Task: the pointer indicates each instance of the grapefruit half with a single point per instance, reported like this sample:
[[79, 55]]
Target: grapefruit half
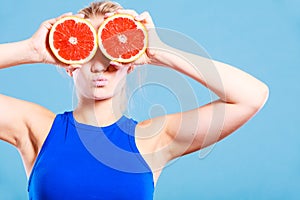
[[73, 40], [122, 39]]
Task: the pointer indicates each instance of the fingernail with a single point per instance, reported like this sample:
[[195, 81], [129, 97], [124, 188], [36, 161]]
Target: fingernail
[[81, 15], [109, 14], [115, 64]]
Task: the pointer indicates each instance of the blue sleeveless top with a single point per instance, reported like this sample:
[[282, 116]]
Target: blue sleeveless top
[[79, 161]]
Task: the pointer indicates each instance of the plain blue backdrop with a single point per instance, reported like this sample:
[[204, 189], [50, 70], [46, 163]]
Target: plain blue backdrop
[[259, 161]]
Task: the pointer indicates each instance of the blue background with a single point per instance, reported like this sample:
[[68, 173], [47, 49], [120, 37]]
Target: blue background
[[259, 161]]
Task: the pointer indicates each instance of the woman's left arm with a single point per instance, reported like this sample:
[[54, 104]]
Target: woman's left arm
[[241, 96]]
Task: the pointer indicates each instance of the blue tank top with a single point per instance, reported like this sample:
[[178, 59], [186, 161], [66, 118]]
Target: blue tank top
[[80, 161]]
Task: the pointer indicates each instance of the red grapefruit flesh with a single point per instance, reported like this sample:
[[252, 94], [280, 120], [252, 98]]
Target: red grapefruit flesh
[[73, 40], [122, 39]]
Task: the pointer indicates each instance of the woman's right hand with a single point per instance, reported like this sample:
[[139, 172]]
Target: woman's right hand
[[40, 45]]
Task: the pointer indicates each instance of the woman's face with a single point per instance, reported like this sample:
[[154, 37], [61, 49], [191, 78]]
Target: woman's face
[[97, 79]]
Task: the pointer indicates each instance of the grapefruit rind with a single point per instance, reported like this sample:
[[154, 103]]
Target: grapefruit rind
[[56, 51], [139, 25]]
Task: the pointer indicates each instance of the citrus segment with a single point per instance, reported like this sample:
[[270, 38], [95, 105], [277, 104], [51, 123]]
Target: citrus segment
[[73, 40], [122, 39]]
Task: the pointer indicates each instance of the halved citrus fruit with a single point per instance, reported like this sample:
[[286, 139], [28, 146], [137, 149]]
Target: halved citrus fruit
[[122, 39], [73, 40]]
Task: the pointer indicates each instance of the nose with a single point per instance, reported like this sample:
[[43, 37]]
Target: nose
[[99, 63], [97, 67]]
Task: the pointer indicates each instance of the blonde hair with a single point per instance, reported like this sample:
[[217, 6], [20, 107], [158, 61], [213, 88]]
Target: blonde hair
[[99, 8]]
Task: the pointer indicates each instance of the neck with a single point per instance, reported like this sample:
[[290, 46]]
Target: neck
[[98, 112]]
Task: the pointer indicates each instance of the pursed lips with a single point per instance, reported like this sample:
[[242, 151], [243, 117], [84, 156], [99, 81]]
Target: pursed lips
[[100, 81]]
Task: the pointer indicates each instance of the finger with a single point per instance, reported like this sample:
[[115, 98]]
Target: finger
[[127, 11], [116, 64], [131, 68], [63, 65], [48, 24], [109, 14], [64, 15], [146, 19], [119, 65], [144, 16], [73, 67], [80, 15]]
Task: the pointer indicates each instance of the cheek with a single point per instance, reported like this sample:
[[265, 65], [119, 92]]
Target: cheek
[[121, 73], [80, 81], [117, 81], [120, 76], [77, 78]]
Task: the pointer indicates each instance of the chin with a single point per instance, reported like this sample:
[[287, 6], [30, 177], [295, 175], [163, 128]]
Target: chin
[[98, 97], [102, 93]]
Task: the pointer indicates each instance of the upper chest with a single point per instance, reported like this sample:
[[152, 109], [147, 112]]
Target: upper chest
[[90, 163]]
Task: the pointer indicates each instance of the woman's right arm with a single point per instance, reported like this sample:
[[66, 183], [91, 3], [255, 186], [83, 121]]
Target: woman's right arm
[[32, 50], [24, 124], [15, 113], [17, 53]]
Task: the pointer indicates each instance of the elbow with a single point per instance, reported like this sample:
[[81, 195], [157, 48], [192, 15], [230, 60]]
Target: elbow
[[261, 97]]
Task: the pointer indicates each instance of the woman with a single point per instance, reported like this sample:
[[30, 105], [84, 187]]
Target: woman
[[95, 152]]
